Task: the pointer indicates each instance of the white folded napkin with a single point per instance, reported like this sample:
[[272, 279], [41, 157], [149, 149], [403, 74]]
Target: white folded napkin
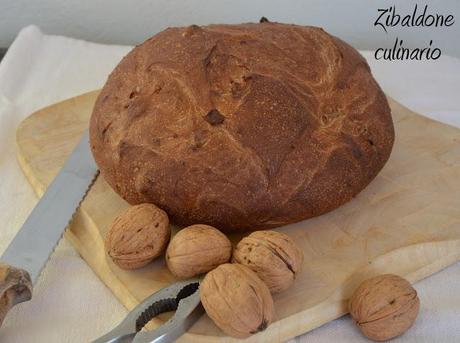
[[70, 304]]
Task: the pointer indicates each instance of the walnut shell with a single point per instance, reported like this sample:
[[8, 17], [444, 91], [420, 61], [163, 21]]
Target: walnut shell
[[237, 300], [274, 257], [197, 249], [384, 307], [137, 236]]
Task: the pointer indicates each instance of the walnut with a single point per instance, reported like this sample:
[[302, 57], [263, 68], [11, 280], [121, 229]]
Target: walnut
[[384, 307], [137, 236], [272, 255], [197, 249], [237, 300]]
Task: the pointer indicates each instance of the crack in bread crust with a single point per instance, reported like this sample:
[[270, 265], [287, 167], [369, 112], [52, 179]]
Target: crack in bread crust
[[244, 126]]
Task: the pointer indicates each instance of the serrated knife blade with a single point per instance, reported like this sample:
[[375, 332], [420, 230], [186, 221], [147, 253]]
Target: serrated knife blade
[[37, 238]]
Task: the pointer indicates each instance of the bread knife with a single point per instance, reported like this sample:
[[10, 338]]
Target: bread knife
[[27, 254]]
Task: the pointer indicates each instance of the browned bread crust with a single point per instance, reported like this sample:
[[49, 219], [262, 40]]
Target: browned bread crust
[[241, 126]]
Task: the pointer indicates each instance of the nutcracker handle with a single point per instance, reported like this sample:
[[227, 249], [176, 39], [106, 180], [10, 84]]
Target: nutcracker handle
[[15, 288]]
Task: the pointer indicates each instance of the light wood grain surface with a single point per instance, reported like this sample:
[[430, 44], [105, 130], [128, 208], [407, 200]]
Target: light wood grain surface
[[406, 222]]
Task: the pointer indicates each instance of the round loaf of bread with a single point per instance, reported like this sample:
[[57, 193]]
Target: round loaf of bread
[[240, 127]]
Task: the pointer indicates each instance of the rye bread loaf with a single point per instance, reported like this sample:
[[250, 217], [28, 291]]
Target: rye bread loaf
[[241, 126]]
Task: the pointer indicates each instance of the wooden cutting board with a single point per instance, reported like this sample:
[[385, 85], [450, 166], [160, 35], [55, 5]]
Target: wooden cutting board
[[407, 221]]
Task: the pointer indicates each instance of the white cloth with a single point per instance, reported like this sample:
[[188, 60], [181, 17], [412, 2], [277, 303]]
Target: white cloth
[[70, 304]]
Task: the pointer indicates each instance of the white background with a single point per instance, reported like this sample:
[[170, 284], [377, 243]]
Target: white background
[[132, 21]]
